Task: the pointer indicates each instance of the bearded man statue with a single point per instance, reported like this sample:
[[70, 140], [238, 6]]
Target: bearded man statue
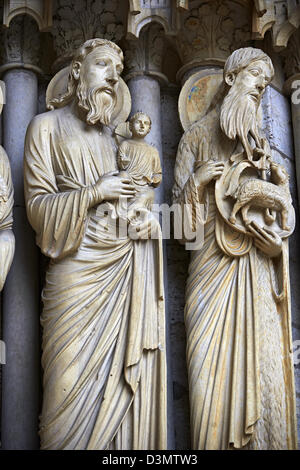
[[237, 312], [103, 318]]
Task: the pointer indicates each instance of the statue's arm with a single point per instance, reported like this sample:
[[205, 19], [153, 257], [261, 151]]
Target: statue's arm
[[186, 192], [58, 218], [123, 155], [157, 170]]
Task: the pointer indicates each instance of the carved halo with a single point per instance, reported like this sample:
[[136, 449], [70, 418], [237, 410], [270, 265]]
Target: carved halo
[[196, 95], [58, 86]]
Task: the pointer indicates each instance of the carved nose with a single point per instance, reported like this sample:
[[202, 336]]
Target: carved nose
[[112, 81]]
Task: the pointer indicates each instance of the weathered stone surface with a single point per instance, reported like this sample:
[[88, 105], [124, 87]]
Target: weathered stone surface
[[277, 121], [177, 264]]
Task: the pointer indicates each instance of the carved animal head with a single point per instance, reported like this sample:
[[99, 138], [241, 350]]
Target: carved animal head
[[279, 174]]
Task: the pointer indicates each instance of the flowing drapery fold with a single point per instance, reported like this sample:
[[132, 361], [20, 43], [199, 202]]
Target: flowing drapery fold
[[103, 342], [238, 329]]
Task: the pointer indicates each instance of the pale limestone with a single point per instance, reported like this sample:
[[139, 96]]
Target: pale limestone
[[104, 355], [238, 319]]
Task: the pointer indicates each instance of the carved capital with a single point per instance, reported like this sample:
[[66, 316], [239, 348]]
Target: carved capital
[[20, 44], [144, 56], [75, 22], [210, 32], [40, 11]]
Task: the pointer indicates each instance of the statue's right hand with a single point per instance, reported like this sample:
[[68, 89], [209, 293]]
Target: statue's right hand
[[207, 172], [113, 185]]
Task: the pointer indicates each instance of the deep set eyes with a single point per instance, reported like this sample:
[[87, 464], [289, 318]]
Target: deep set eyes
[[103, 63], [255, 72]]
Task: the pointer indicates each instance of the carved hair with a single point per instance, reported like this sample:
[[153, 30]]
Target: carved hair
[[242, 58], [79, 56], [136, 116], [186, 155]]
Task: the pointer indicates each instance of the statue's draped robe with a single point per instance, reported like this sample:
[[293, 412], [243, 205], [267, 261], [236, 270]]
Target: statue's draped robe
[[141, 161], [103, 317], [237, 318], [7, 240]]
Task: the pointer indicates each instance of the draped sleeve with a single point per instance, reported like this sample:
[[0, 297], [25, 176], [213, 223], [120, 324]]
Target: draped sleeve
[[58, 217], [157, 171], [193, 147]]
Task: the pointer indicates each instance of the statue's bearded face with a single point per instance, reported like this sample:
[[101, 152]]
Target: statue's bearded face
[[240, 106], [98, 84]]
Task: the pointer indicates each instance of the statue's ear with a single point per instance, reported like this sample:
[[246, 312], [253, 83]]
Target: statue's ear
[[76, 70], [230, 78]]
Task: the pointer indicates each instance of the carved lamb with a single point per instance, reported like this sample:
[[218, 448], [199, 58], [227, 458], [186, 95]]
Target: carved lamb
[[264, 194]]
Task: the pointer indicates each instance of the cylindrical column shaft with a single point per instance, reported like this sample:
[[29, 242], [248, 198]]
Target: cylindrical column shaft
[[20, 385], [145, 95]]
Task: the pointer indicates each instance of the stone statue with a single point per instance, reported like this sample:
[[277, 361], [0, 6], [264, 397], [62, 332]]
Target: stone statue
[[7, 239], [103, 318], [237, 312], [140, 161]]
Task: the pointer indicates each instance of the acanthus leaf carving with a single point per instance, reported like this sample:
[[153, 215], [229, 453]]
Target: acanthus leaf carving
[[212, 30], [75, 22], [145, 55]]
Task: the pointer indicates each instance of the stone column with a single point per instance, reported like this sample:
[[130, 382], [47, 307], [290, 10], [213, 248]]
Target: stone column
[[292, 89], [143, 63], [20, 379]]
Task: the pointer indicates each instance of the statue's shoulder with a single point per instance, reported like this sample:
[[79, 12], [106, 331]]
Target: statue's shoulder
[[201, 128], [45, 121]]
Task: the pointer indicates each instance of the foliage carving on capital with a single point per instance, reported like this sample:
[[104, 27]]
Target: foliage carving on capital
[[75, 22], [145, 55], [212, 31]]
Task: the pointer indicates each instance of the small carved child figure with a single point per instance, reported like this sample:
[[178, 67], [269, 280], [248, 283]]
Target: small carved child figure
[[141, 163]]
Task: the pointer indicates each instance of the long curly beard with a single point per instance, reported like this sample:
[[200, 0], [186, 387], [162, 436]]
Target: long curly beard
[[239, 117], [98, 104]]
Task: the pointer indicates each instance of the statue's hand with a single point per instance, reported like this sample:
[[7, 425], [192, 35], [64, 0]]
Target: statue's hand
[[113, 185], [266, 240], [208, 171]]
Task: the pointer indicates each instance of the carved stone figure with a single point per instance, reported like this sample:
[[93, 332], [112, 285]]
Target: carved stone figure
[[103, 317], [140, 161], [237, 311], [260, 193], [7, 239]]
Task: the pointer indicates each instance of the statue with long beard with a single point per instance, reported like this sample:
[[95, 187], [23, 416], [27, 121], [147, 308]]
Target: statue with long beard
[[237, 312], [103, 317]]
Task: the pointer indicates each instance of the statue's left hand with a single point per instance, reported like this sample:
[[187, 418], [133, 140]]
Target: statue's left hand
[[266, 240]]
